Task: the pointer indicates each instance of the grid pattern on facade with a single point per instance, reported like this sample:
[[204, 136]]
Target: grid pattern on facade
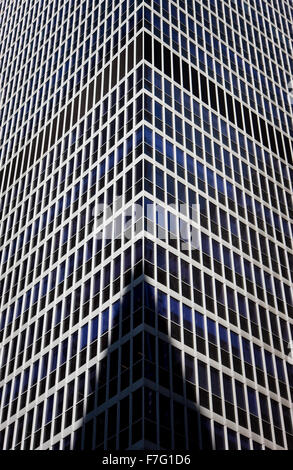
[[140, 337]]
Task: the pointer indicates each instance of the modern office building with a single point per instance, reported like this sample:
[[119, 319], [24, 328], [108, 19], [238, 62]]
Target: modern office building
[[146, 180]]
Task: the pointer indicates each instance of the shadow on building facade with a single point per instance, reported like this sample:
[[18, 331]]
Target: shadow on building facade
[[139, 397]]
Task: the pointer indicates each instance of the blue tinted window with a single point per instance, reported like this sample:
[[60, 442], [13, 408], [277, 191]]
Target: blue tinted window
[[174, 308], [84, 335], [162, 303], [105, 321], [149, 293], [187, 319]]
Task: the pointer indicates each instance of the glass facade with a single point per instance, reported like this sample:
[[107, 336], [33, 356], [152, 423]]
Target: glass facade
[[119, 328]]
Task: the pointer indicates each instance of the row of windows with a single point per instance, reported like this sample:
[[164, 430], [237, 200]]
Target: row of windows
[[213, 388], [164, 186], [252, 13], [274, 198], [61, 277], [205, 19], [245, 398], [165, 225], [48, 85], [211, 248], [124, 122], [244, 69], [193, 199], [167, 423], [213, 290], [74, 110], [203, 433], [47, 253], [91, 332], [103, 285], [71, 169], [74, 140], [51, 25], [38, 263], [71, 31], [79, 77], [197, 117], [176, 128], [160, 184], [183, 74], [189, 165]]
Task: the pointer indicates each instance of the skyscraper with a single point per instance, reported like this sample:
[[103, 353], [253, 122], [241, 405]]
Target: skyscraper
[[146, 224]]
